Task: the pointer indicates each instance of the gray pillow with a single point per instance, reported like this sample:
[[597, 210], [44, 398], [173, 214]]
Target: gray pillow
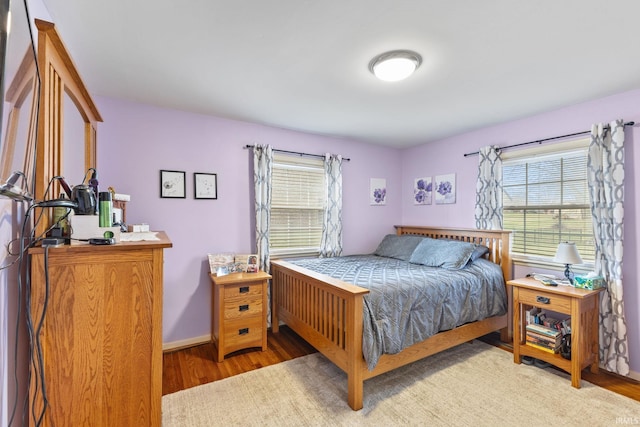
[[399, 247], [449, 254], [479, 252]]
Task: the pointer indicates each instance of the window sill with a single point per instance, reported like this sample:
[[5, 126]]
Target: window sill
[[548, 264], [303, 254]]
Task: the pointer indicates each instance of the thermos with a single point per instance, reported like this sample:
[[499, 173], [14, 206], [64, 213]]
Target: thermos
[[105, 208], [60, 215]]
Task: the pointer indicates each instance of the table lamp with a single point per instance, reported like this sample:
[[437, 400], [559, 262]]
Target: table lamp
[[567, 254], [12, 190]]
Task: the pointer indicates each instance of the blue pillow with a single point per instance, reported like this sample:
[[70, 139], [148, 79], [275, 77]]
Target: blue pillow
[[449, 254], [398, 246], [479, 252]]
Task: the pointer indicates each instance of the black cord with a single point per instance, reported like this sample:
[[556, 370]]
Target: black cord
[[17, 330], [21, 257], [38, 342], [35, 346], [21, 292]]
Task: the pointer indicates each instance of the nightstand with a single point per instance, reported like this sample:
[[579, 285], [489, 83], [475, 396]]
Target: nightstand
[[583, 307], [239, 315]]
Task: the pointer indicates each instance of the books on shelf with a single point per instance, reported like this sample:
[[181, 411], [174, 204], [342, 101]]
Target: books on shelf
[[543, 330], [543, 348], [543, 337]]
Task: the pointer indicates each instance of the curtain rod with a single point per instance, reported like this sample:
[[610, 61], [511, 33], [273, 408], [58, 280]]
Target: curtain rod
[[539, 141], [298, 153]]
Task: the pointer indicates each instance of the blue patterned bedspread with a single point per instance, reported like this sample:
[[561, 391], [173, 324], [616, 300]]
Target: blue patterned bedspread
[[408, 302]]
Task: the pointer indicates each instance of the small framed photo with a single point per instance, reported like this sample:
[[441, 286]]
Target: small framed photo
[[172, 184], [247, 263], [206, 185]]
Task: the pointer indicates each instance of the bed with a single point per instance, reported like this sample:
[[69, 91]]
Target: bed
[[330, 313]]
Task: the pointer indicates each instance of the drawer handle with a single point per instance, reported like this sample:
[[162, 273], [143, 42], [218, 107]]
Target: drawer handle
[[543, 300], [243, 331], [244, 307], [244, 289]]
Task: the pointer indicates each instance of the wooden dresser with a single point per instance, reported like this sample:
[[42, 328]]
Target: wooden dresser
[[239, 312], [101, 336]]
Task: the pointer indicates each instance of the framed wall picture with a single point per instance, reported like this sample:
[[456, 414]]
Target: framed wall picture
[[377, 191], [445, 189], [172, 184], [206, 185], [422, 191]]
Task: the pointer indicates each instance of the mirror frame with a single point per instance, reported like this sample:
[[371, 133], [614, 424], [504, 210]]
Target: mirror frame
[[59, 75], [23, 88]]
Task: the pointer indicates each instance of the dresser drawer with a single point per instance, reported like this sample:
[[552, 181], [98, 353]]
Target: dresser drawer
[[242, 307], [545, 300], [242, 333], [243, 290]]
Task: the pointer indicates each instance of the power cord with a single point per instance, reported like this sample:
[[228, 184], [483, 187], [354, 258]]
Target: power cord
[[35, 346]]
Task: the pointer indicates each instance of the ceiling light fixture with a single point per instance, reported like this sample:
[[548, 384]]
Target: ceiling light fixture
[[395, 65]]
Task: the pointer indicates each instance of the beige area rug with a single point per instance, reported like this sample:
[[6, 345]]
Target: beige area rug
[[470, 385]]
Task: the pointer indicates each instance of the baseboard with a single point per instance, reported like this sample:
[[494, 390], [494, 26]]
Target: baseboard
[[634, 375], [189, 342]]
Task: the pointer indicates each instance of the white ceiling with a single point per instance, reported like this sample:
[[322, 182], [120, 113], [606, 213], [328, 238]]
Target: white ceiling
[[302, 64]]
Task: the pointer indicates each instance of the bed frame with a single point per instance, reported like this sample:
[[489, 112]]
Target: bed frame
[[328, 312]]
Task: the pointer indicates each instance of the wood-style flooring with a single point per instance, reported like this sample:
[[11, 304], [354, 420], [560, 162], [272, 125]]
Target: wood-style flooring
[[194, 366]]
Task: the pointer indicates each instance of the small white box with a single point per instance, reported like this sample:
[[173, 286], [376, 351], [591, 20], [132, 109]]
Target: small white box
[[138, 228], [84, 227]]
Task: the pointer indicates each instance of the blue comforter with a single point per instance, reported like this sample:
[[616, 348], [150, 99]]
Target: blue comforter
[[408, 303]]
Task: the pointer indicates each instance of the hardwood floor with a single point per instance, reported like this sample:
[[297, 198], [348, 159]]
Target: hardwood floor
[[193, 366]]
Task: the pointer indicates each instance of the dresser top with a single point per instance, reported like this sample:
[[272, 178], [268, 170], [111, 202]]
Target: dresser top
[[162, 243]]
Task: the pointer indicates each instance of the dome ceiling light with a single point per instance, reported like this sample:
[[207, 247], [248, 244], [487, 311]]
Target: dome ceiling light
[[395, 65]]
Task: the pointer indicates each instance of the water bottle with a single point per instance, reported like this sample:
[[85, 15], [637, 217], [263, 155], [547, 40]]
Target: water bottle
[[105, 207]]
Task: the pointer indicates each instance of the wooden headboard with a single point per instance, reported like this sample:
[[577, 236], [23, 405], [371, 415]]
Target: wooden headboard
[[496, 240]]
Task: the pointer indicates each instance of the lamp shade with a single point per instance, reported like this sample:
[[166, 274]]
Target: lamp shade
[[567, 253]]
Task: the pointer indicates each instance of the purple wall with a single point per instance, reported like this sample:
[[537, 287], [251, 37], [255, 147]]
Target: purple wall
[[136, 141], [446, 156]]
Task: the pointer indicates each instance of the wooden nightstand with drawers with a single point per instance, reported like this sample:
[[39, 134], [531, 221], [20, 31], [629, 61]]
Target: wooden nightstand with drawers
[[583, 307], [239, 312]]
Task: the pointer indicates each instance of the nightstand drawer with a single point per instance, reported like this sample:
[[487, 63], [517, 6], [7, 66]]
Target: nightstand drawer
[[547, 300], [243, 290], [242, 308], [242, 333]]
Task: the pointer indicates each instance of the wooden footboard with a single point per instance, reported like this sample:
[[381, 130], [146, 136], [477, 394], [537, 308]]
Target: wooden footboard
[[328, 312]]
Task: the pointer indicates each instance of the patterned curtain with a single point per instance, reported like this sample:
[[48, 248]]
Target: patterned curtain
[[262, 169], [331, 243], [605, 171], [488, 212]]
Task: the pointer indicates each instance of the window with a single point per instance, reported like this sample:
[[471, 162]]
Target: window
[[297, 205], [546, 201]]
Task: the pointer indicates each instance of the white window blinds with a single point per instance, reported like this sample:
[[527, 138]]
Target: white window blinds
[[546, 201], [297, 205]]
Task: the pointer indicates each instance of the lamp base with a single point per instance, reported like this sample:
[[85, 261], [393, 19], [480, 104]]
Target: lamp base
[[568, 274]]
